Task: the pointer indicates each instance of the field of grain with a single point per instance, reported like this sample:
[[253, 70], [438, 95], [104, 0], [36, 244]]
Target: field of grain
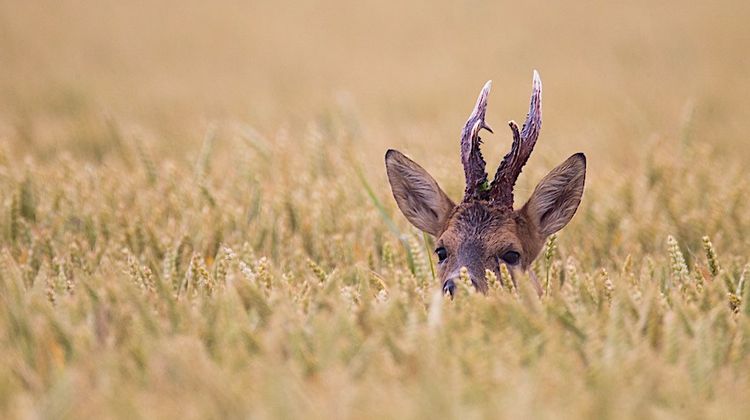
[[195, 220]]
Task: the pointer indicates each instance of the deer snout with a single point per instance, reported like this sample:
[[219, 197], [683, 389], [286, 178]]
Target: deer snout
[[449, 285]]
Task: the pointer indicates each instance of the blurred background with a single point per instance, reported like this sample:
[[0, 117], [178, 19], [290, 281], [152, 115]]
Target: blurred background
[[616, 74], [195, 220], [655, 93]]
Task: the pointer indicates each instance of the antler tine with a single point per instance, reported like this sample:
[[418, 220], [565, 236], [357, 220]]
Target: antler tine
[[501, 189], [471, 156]]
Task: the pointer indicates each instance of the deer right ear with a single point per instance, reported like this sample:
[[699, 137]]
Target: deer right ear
[[555, 200], [417, 194]]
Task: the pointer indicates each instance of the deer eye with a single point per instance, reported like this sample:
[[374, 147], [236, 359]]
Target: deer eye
[[442, 254], [511, 257]]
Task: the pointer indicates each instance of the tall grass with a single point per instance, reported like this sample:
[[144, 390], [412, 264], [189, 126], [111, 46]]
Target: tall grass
[[131, 293], [195, 220]]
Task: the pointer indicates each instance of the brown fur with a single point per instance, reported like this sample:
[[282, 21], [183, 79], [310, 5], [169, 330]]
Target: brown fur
[[484, 231], [476, 234]]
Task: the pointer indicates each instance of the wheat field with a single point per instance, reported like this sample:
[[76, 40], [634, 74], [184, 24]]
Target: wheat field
[[195, 220]]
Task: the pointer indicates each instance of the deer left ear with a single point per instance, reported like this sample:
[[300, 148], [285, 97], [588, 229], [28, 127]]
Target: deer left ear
[[417, 194], [556, 198]]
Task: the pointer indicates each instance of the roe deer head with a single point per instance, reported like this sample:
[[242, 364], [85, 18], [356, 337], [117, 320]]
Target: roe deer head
[[484, 230]]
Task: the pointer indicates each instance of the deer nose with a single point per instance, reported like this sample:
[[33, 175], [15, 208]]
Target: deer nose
[[449, 287]]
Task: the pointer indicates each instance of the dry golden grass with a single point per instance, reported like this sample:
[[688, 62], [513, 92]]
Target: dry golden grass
[[195, 220]]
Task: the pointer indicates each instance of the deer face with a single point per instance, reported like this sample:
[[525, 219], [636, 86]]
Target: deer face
[[484, 231]]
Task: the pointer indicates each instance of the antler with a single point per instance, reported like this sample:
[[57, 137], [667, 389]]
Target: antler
[[471, 156], [501, 189]]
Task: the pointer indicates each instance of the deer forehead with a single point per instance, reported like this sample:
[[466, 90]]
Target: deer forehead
[[481, 226]]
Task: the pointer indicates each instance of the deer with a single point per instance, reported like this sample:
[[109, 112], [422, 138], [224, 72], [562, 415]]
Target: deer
[[484, 231]]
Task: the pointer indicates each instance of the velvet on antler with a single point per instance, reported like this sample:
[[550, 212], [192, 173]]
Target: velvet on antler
[[471, 156], [500, 190]]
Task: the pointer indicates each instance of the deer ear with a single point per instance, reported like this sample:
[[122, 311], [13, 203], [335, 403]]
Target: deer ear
[[417, 194], [555, 199]]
